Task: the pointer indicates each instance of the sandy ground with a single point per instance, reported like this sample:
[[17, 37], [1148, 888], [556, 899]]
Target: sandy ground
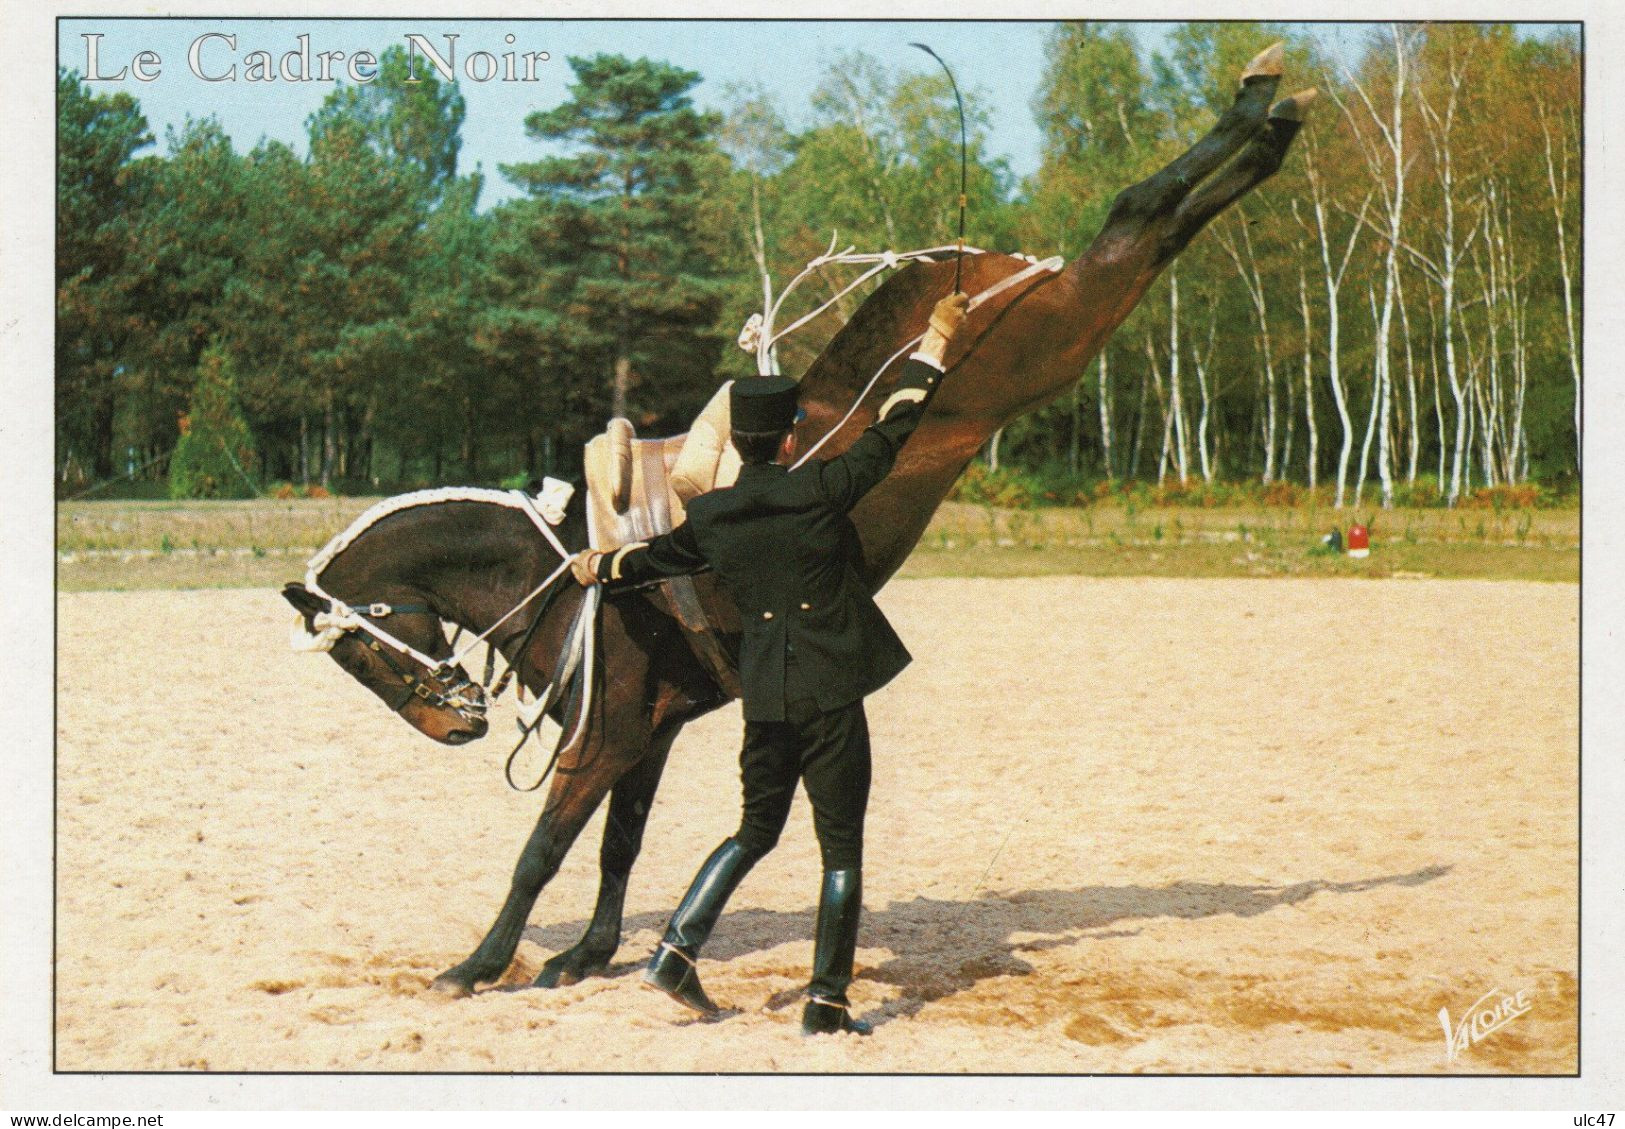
[[1117, 825]]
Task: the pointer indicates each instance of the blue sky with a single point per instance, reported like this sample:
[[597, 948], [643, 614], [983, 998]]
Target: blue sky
[[998, 65]]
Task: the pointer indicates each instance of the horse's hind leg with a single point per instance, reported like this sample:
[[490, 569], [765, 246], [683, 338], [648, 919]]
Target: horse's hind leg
[[1155, 197], [629, 805], [1254, 165]]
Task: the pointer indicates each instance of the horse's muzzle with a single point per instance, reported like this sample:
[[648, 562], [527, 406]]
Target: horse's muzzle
[[464, 736]]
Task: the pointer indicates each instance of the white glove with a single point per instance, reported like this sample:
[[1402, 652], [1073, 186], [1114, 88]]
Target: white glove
[[584, 567], [946, 318]]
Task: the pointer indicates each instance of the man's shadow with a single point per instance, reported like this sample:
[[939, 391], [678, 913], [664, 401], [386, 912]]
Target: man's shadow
[[937, 962]]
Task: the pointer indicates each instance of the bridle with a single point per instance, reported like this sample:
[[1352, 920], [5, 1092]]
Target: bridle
[[446, 686], [442, 683]]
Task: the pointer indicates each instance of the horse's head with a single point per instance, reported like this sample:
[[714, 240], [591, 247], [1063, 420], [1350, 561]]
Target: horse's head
[[441, 702]]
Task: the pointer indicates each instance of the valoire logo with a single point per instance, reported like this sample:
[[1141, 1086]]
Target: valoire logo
[[1489, 1013]]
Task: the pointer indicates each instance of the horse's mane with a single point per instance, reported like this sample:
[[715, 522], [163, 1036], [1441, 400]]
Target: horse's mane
[[394, 505]]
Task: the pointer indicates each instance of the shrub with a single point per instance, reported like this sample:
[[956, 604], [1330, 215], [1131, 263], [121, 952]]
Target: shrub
[[1191, 492], [283, 491], [1421, 493], [1053, 485], [215, 455], [1282, 493], [1499, 498], [1005, 488]]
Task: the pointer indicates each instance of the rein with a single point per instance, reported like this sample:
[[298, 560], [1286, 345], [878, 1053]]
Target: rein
[[759, 334], [579, 651]]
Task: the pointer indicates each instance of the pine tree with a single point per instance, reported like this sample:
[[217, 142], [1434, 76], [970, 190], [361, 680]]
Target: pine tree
[[215, 456], [102, 274], [614, 224]]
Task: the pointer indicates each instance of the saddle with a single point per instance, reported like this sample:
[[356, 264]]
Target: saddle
[[637, 489]]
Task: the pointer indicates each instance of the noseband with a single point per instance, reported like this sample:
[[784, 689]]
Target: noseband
[[445, 686]]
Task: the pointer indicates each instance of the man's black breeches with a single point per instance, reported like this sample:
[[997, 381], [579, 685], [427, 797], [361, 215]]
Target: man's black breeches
[[830, 751]]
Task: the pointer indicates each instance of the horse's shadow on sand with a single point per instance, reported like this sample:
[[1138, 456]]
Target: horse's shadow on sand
[[947, 946]]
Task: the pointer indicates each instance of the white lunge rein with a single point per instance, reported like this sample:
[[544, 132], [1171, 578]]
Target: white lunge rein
[[760, 336]]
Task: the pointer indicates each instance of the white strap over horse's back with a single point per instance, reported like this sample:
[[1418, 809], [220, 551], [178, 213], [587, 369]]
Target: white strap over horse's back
[[1034, 269]]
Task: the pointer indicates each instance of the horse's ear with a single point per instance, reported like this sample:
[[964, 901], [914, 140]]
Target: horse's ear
[[302, 599]]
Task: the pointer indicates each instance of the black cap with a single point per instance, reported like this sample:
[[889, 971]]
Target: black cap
[[762, 404]]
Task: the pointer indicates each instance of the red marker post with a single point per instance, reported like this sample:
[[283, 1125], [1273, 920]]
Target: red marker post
[[1359, 541]]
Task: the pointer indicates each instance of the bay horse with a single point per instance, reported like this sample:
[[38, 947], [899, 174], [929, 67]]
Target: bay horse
[[469, 562]]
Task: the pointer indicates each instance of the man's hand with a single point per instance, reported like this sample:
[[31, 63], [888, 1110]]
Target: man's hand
[[949, 314], [584, 567], [946, 318]]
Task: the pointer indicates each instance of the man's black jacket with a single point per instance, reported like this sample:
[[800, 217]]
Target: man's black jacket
[[788, 555]]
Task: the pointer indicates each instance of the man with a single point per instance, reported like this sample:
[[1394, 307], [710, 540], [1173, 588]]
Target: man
[[814, 646]]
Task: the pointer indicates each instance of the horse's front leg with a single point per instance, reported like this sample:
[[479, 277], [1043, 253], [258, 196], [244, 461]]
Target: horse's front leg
[[579, 787], [629, 806]]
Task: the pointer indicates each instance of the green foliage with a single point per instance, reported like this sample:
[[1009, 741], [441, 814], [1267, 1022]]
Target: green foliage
[[1101, 133], [381, 327], [1423, 492], [102, 274], [1005, 488], [415, 124], [191, 228], [215, 455], [610, 230]]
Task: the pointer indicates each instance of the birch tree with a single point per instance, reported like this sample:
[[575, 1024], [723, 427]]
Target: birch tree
[[755, 138], [1440, 109], [1559, 130], [1332, 279], [1245, 259], [1312, 461], [1387, 163]]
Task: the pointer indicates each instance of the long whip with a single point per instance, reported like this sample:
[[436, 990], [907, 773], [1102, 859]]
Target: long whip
[[959, 259]]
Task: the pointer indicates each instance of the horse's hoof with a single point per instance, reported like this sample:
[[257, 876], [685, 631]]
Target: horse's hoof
[[447, 984], [1268, 63], [1296, 107], [570, 967]]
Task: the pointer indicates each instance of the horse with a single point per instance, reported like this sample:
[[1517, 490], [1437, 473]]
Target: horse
[[469, 559]]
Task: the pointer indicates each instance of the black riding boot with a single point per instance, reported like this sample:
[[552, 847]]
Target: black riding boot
[[672, 968], [839, 906]]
